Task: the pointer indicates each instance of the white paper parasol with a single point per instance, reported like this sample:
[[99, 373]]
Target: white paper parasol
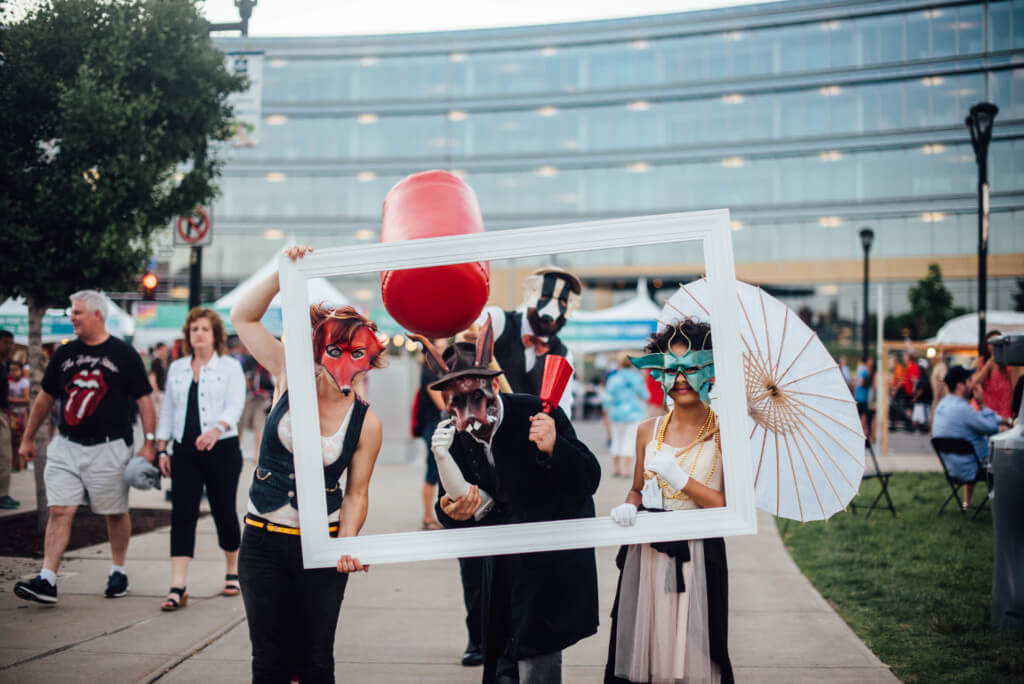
[[806, 439]]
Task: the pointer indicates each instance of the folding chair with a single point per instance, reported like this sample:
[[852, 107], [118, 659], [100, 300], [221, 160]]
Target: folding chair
[[883, 480], [953, 445]]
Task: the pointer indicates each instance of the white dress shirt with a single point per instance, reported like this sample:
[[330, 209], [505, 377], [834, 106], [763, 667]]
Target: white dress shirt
[[221, 395]]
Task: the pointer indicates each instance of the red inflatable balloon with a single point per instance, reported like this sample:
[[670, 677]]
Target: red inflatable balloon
[[437, 301]]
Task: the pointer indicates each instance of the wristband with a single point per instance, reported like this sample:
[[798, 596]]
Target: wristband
[[150, 437], [162, 452]]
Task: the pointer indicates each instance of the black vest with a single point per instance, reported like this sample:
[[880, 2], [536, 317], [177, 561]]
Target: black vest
[[273, 483], [509, 352]]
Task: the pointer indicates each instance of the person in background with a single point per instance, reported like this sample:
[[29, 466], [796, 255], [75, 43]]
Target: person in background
[[429, 412], [259, 385], [956, 417], [938, 381], [6, 448], [158, 370], [911, 373], [922, 398], [845, 370], [994, 379], [624, 406], [862, 395], [204, 398], [99, 380], [18, 402]]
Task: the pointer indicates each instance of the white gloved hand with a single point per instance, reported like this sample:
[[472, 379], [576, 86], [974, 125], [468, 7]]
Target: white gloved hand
[[667, 468], [444, 435], [447, 469], [624, 514]]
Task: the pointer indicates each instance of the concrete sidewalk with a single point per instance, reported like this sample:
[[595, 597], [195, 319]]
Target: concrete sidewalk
[[399, 623]]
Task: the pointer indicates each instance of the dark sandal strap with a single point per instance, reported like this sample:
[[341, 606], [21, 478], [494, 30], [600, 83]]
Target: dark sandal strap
[[230, 578], [180, 591], [176, 602]]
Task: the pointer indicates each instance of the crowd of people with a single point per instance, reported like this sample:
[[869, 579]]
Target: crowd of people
[[498, 453]]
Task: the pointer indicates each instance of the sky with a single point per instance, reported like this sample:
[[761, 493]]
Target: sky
[[361, 17]]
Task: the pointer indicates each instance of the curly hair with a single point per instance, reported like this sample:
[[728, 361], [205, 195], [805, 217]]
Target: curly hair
[[689, 331], [339, 326], [220, 338]]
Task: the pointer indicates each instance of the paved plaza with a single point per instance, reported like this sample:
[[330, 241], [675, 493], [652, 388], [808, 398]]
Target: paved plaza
[[399, 623]]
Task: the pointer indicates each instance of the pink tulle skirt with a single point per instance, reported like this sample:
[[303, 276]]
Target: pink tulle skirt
[[662, 635]]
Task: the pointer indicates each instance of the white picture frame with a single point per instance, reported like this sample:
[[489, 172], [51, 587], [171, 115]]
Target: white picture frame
[[711, 228]]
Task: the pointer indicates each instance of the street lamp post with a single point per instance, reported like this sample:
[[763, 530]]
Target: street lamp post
[[195, 266], [866, 237], [979, 122]]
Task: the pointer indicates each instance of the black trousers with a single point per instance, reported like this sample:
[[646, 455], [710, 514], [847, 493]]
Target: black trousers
[[218, 469], [472, 573], [292, 612]]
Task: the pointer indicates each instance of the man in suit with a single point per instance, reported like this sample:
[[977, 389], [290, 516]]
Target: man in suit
[[503, 460]]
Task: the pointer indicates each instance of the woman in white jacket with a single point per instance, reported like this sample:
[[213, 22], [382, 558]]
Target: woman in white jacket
[[203, 401]]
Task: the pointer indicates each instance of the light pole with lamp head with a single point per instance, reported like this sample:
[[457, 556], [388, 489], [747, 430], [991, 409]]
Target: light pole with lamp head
[[866, 237], [979, 122]]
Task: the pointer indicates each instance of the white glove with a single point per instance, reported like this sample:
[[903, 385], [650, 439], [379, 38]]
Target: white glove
[[624, 514], [444, 435], [667, 468], [455, 484]]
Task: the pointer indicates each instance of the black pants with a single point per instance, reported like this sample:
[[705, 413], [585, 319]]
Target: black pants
[[218, 469], [292, 612], [472, 572]]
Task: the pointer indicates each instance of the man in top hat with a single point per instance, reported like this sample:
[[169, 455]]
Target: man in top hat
[[509, 462], [525, 336]]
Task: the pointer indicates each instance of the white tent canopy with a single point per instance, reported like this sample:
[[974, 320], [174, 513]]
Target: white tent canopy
[[56, 325], [319, 289], [623, 326], [964, 329]]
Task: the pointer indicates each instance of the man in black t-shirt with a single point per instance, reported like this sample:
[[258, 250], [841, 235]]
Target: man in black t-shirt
[[6, 501], [99, 380]]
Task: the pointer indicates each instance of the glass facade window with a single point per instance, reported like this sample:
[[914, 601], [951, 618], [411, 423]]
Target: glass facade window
[[806, 129]]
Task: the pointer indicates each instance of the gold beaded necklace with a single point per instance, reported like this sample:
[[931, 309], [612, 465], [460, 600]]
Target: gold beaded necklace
[[709, 423]]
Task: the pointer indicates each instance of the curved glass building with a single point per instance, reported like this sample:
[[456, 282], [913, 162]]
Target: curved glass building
[[808, 120]]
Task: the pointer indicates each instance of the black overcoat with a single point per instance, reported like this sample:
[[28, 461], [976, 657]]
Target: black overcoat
[[538, 602]]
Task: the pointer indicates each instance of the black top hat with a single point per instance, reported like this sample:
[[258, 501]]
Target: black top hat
[[460, 360]]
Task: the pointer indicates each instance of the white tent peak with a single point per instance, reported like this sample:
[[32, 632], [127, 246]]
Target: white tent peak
[[319, 289], [964, 329]]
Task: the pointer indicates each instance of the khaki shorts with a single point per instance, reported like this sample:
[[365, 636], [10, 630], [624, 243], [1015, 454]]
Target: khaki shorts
[[77, 474]]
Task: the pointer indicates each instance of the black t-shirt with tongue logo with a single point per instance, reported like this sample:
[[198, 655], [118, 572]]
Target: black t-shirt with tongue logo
[[98, 385]]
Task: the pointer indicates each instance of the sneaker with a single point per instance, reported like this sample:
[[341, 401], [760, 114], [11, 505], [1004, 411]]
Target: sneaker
[[9, 502], [36, 589], [117, 585]]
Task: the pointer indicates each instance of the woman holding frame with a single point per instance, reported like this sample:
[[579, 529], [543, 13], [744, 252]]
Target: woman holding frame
[[293, 612], [670, 617]]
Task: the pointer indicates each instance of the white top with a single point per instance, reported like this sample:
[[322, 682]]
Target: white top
[[330, 451], [221, 396], [652, 495]]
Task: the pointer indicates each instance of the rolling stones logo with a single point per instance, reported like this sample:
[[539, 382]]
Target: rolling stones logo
[[85, 391]]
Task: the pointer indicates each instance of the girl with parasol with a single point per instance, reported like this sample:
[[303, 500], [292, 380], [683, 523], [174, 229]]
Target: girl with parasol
[[293, 612], [669, 620]]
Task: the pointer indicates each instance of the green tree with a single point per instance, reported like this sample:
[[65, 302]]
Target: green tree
[[1018, 296], [105, 101], [931, 305]]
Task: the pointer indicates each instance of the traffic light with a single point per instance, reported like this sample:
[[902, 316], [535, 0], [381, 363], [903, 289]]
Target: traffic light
[[149, 283]]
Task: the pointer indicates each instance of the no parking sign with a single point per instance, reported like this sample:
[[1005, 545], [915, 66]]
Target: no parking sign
[[194, 229]]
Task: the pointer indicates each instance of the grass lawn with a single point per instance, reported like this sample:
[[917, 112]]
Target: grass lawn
[[916, 588]]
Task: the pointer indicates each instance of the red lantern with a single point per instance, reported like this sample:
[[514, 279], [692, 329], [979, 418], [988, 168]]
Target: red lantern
[[437, 301]]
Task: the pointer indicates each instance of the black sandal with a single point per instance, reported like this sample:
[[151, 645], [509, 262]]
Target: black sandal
[[231, 589], [172, 604]]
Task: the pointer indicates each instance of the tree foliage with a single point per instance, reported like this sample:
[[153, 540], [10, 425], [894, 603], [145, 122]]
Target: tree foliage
[[931, 305], [105, 101]]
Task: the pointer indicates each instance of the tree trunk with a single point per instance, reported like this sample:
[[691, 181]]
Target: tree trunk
[[42, 436]]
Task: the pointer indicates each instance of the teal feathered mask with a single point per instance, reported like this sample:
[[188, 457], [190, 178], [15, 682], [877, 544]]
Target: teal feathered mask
[[696, 366]]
